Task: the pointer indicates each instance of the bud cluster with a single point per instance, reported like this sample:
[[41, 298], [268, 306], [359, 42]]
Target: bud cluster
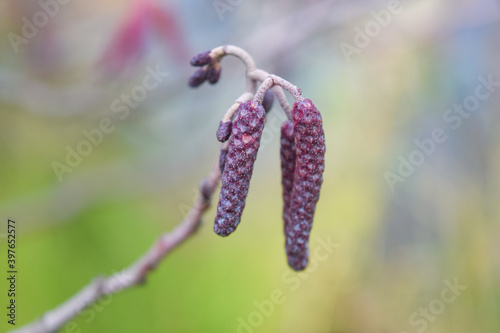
[[209, 70]]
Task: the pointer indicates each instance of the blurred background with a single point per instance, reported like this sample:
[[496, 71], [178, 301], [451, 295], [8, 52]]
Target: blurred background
[[406, 234]]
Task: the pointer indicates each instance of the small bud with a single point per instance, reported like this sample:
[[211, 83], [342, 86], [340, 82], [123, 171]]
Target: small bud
[[287, 154], [201, 59], [213, 74], [206, 190], [268, 100], [198, 78], [224, 131], [222, 159]]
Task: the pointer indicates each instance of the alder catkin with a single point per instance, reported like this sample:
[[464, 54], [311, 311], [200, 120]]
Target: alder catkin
[[242, 152], [287, 154], [309, 140]]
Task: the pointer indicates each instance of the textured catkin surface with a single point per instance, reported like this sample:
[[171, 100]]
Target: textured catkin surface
[[287, 154], [242, 152], [308, 177]]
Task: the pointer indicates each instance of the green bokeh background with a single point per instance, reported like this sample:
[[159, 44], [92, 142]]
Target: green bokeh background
[[395, 248]]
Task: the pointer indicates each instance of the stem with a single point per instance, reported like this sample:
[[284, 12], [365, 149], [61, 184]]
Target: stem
[[219, 52], [273, 80], [238, 52], [232, 110], [136, 273]]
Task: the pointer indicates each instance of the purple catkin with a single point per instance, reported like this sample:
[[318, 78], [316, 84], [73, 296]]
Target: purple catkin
[[201, 59], [198, 77], [268, 100], [222, 159], [213, 74], [287, 153], [224, 130], [242, 152], [308, 176]]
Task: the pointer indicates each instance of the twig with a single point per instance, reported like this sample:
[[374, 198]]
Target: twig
[[133, 275], [273, 80], [253, 74]]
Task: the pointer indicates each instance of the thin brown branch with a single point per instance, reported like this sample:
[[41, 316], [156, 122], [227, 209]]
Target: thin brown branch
[[133, 275]]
